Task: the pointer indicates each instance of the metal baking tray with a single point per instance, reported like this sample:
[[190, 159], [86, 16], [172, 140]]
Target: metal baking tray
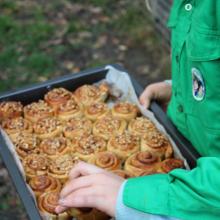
[[35, 92]]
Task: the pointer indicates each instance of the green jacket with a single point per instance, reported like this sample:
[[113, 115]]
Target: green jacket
[[195, 110]]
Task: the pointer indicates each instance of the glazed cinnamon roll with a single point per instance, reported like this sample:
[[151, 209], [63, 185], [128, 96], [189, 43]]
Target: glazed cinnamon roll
[[54, 147], [170, 164], [47, 128], [106, 160], [47, 202], [10, 109], [156, 143], [125, 110], [88, 94], [44, 183], [69, 109], [25, 144], [86, 146], [140, 126], [15, 126], [35, 164], [122, 173], [37, 110], [57, 97], [141, 162], [77, 127], [124, 144], [60, 167], [108, 126], [96, 111]]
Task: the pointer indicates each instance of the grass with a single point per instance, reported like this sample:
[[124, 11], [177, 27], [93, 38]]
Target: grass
[[37, 38]]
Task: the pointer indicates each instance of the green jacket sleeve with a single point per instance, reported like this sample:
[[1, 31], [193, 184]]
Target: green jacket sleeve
[[182, 194]]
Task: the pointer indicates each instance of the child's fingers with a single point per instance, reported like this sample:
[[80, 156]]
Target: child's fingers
[[84, 197], [60, 209], [75, 184], [102, 187], [86, 181], [83, 169]]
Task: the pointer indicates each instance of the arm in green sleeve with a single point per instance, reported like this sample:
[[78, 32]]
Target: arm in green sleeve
[[182, 194]]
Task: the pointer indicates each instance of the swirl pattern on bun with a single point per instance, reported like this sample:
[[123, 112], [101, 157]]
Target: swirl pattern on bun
[[141, 162]]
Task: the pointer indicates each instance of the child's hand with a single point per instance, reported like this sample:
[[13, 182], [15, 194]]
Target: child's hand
[[90, 186], [160, 92]]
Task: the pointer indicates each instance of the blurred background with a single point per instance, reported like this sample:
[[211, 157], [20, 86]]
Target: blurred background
[[43, 39]]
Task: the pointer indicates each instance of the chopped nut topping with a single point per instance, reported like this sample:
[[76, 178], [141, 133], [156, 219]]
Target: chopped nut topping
[[68, 106], [36, 162], [90, 144], [155, 139], [53, 146], [108, 125], [46, 125], [26, 142], [63, 164], [38, 109], [141, 125], [125, 107], [58, 94], [18, 124], [97, 108], [10, 108], [78, 124]]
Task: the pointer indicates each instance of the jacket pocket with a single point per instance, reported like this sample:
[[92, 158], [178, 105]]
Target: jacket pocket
[[203, 53], [203, 44]]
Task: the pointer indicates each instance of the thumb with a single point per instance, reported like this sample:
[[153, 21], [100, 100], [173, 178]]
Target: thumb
[[146, 97], [145, 103]]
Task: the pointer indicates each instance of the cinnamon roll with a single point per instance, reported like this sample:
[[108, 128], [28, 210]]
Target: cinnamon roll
[[57, 97], [122, 173], [124, 144], [10, 109], [106, 160], [37, 110], [47, 202], [81, 213], [156, 143], [141, 162], [86, 146], [15, 126], [96, 111], [60, 167], [47, 128], [140, 126], [35, 164], [54, 147], [153, 171], [125, 110], [69, 109], [77, 127], [108, 126], [88, 94], [170, 164], [87, 214], [44, 183], [25, 144]]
